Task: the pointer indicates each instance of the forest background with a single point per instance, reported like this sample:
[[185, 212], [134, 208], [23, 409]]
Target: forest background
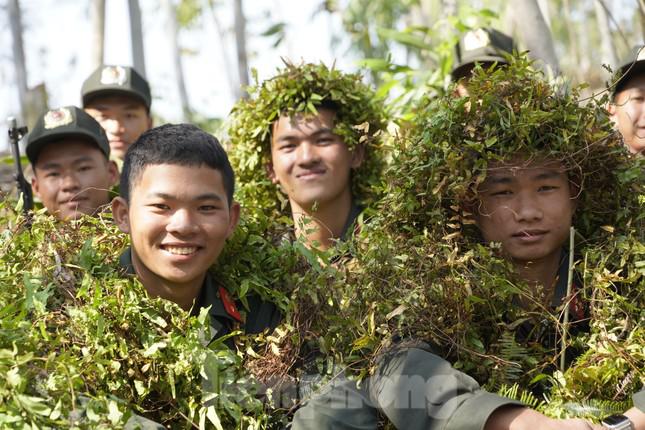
[[197, 54]]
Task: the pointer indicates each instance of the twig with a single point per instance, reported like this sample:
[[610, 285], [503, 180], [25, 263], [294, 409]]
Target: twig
[[565, 324]]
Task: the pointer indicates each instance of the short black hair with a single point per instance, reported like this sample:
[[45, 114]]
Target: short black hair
[[181, 144]]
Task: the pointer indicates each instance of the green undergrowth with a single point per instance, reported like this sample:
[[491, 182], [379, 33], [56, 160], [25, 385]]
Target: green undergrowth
[[81, 346], [420, 270]]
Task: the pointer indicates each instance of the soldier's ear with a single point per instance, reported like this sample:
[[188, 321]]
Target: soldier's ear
[[120, 213], [271, 173], [35, 187], [113, 172], [358, 155], [234, 218]]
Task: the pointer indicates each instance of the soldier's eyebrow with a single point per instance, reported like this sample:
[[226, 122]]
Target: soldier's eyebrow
[[499, 179], [200, 197], [56, 164], [549, 174], [290, 135]]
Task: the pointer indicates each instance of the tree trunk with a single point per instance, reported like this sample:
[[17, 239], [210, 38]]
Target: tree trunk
[[578, 68], [20, 67], [226, 59], [607, 49], [534, 32], [240, 41], [98, 33], [136, 35], [544, 8], [641, 8], [173, 34]]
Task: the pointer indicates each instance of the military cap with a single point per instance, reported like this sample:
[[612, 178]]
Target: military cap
[[633, 64], [482, 45], [109, 80], [65, 122]]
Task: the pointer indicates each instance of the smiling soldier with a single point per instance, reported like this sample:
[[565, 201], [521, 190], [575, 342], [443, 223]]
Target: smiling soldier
[[70, 153], [319, 142], [177, 206]]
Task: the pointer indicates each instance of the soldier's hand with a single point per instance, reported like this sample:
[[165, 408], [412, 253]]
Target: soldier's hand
[[518, 418]]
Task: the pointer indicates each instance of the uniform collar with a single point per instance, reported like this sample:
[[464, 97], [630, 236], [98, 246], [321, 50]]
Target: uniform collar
[[577, 307], [354, 212], [211, 293]]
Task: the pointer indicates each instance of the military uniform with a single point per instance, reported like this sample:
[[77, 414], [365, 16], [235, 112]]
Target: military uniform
[[639, 400], [412, 387], [65, 122], [122, 80], [436, 396], [632, 65], [483, 46], [546, 331], [224, 314]]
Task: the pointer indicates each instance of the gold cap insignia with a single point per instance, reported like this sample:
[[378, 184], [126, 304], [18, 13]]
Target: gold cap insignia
[[113, 75], [476, 39], [57, 118]]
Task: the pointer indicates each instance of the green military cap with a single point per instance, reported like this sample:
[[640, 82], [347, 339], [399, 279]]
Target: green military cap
[[482, 45], [65, 122], [633, 64], [108, 80]]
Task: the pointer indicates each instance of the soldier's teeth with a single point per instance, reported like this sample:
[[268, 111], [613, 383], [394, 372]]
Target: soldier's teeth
[[180, 250]]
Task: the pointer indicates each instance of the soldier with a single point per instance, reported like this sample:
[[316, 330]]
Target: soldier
[[627, 107], [69, 153], [301, 123], [318, 143], [177, 206], [118, 97], [524, 199], [484, 47]]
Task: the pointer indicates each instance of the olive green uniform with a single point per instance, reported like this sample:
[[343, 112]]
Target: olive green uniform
[[412, 387], [224, 318], [639, 400], [223, 312]]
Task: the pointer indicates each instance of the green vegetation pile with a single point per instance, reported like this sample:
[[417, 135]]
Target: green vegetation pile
[[420, 270], [299, 90], [82, 346]]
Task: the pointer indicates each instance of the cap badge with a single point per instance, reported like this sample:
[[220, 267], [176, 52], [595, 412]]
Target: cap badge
[[113, 75], [57, 118], [476, 39]]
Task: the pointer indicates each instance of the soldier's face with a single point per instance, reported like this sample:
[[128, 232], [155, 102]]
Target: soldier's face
[[628, 113], [178, 219], [526, 208], [311, 164], [123, 119], [73, 178]]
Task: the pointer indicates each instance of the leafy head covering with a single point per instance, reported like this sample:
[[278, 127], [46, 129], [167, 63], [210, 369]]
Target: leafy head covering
[[300, 89], [510, 113], [421, 271]]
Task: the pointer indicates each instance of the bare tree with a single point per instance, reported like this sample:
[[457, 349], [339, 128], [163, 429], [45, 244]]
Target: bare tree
[[240, 41], [607, 47], [173, 34], [546, 13], [136, 35], [208, 5], [641, 8], [15, 22], [98, 33], [530, 25]]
